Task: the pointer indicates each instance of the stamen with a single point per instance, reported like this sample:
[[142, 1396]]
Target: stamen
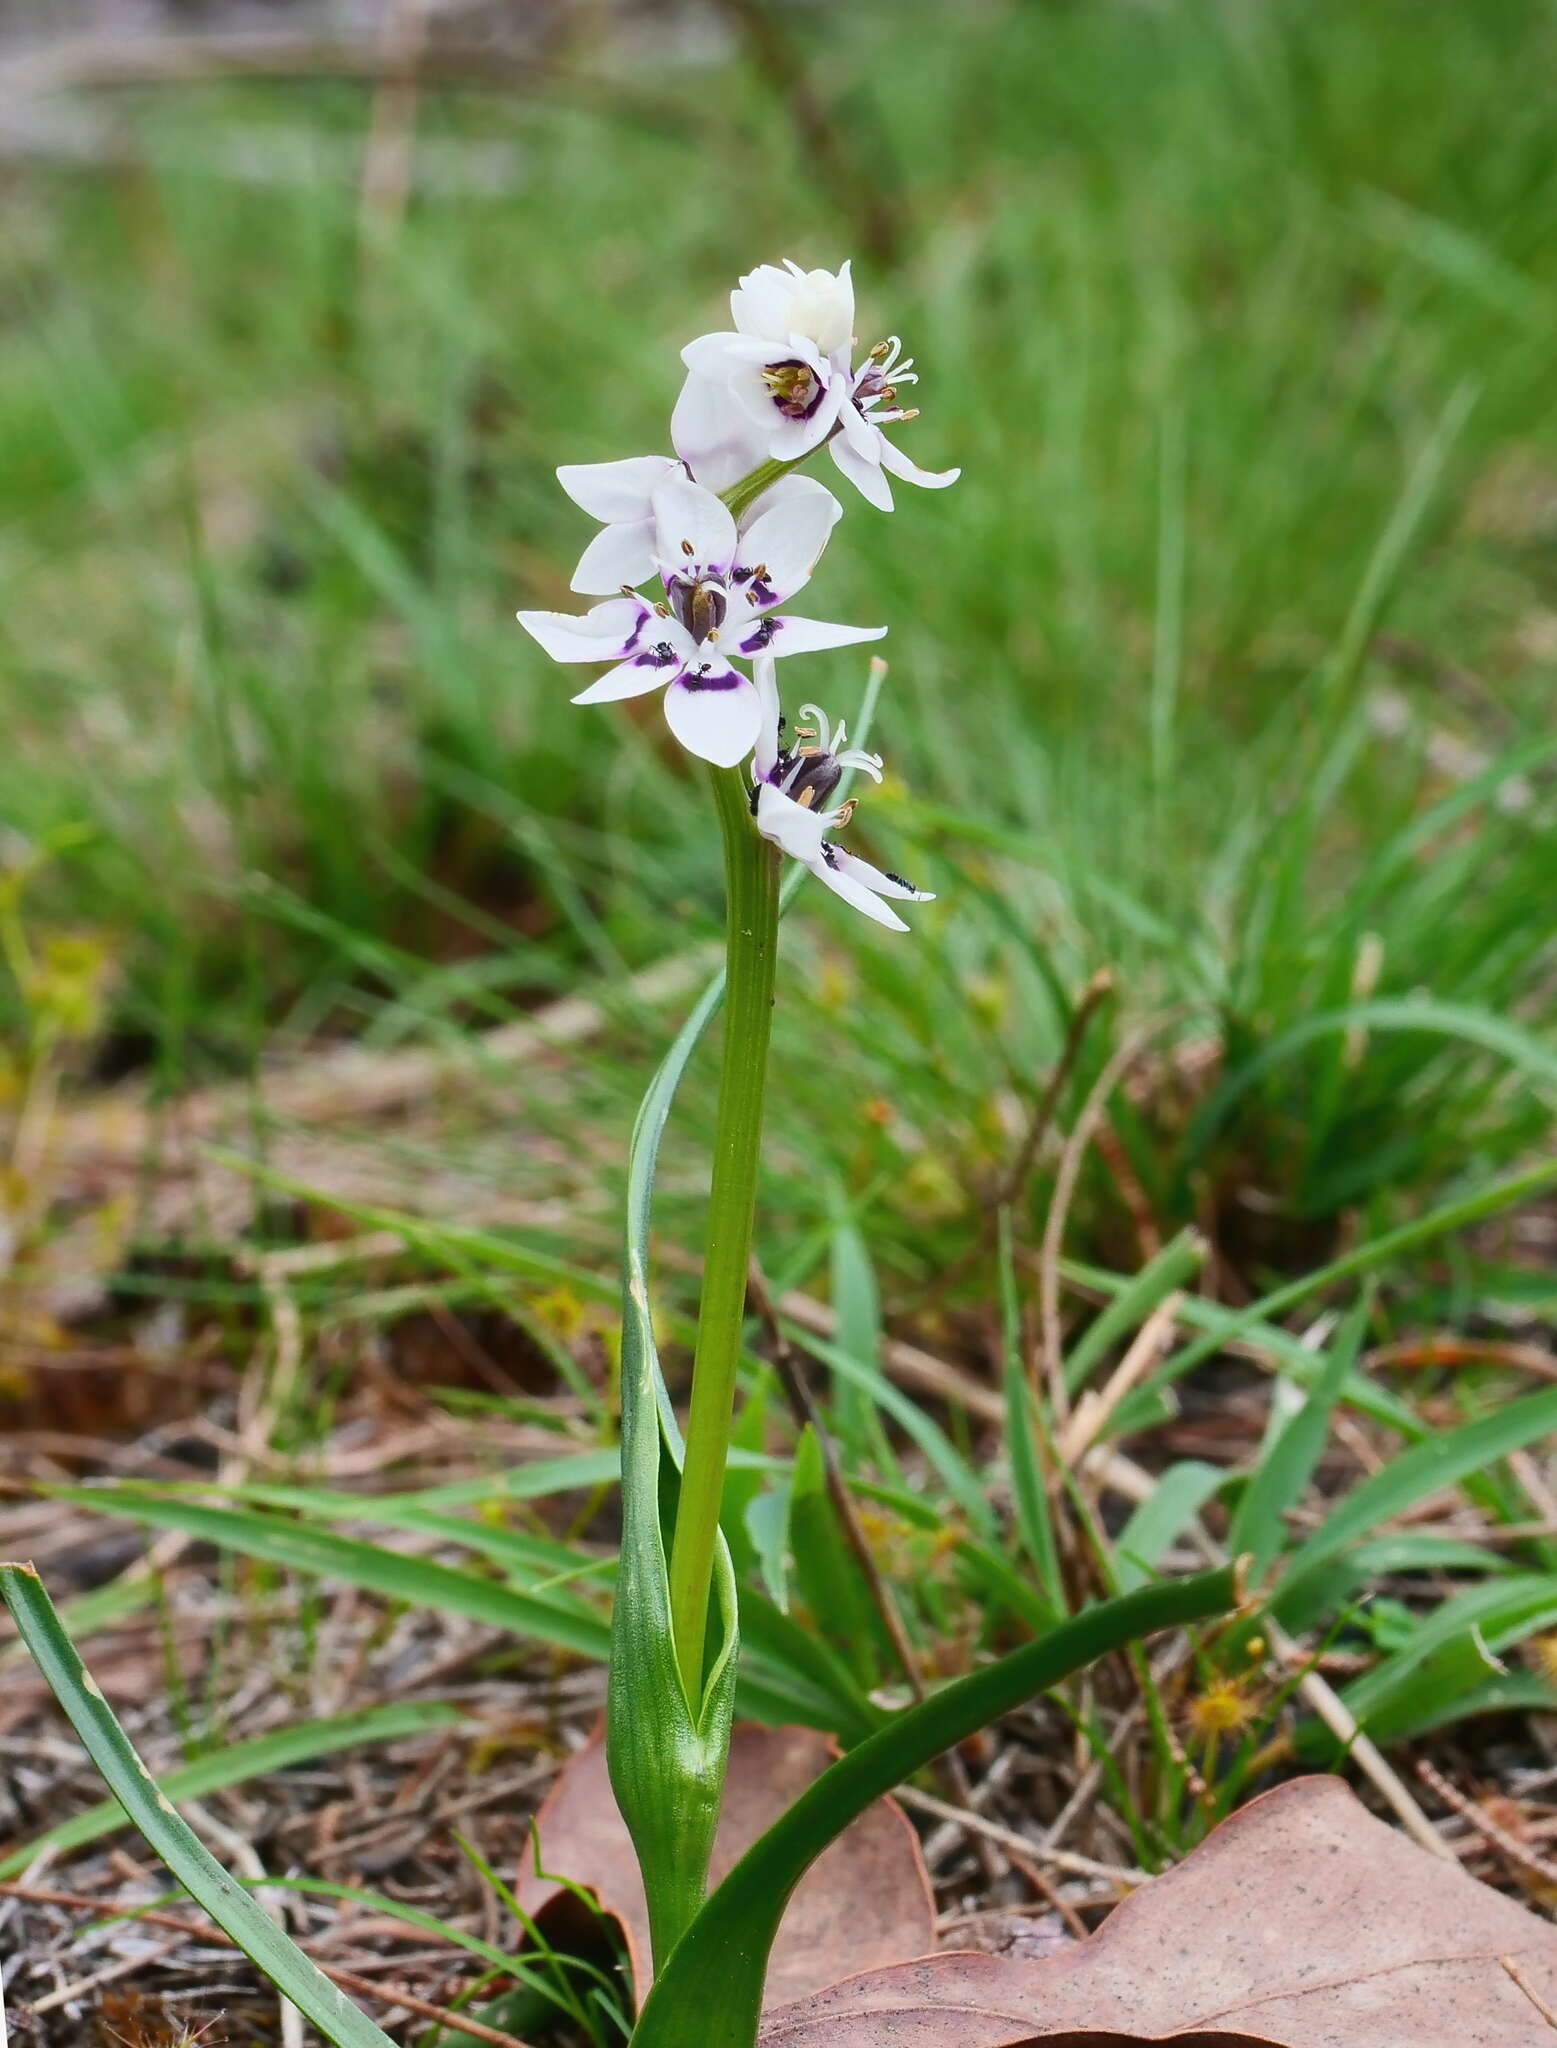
[[823, 729], [687, 548], [794, 387], [845, 811], [663, 609]]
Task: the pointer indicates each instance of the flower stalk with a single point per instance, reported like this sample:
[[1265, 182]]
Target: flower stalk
[[751, 871]]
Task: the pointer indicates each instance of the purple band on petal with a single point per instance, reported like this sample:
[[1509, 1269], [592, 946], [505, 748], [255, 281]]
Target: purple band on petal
[[700, 679], [760, 636], [661, 655], [761, 592]]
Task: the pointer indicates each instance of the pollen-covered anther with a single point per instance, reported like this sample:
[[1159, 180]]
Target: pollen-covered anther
[[687, 548]]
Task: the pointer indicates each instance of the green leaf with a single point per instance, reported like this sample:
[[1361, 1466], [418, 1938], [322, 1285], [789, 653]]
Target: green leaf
[[1259, 1529], [1459, 1022], [1162, 1518], [275, 1751], [1458, 1214], [170, 1837], [1024, 1421], [1173, 1266], [776, 1689], [1512, 1692], [1417, 1472], [856, 1302], [958, 1476], [302, 1547], [711, 1985], [666, 1753], [1450, 1651], [827, 1573]]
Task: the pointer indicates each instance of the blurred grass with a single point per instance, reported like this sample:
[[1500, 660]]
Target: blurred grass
[[1238, 320]]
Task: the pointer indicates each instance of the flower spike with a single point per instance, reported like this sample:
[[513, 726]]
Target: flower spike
[[722, 587]]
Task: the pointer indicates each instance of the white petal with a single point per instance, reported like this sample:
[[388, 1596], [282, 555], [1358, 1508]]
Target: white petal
[[761, 305], [765, 676], [899, 464], [854, 892], [614, 491], [830, 299], [717, 718], [616, 555], [795, 827], [816, 305], [874, 878], [865, 476], [634, 677], [713, 435], [787, 489], [804, 636], [789, 439], [603, 634], [694, 532], [719, 356], [785, 544], [862, 435]]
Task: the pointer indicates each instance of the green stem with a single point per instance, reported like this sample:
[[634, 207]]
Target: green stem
[[751, 486], [751, 945]]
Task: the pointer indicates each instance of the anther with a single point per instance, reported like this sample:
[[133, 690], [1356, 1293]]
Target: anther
[[663, 609], [687, 547]]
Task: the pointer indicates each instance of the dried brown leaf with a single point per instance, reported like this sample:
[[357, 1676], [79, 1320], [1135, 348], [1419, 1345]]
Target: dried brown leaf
[[864, 1904], [1301, 1922]]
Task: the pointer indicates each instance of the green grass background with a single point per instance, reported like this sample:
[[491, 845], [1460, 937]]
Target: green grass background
[[1238, 319]]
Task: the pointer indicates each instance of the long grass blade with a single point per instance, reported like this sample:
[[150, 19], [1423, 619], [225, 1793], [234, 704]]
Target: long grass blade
[[196, 1869]]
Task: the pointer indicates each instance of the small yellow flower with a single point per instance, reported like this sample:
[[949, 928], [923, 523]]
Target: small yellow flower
[[1544, 1650], [1224, 1708], [562, 1312]]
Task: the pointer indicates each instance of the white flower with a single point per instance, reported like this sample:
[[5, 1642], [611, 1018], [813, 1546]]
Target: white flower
[[784, 383], [815, 305], [622, 494], [789, 803], [722, 589]]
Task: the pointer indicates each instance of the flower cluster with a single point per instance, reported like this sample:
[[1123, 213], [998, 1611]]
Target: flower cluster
[[757, 402]]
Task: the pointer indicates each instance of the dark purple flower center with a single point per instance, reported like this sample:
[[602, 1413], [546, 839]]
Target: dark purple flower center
[[699, 604], [795, 388]]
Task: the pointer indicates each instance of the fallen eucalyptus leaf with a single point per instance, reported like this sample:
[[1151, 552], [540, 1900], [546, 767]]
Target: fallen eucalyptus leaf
[[1301, 1922], [865, 1904]]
